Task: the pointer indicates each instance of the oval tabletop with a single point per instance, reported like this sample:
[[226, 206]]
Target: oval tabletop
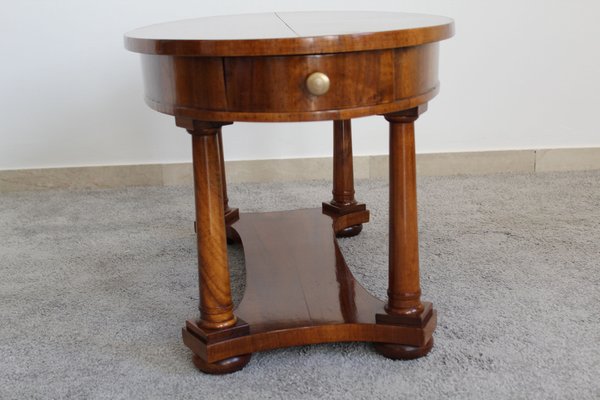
[[287, 33]]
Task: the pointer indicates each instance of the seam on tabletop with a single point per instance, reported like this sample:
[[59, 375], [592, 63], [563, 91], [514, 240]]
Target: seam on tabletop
[[286, 24]]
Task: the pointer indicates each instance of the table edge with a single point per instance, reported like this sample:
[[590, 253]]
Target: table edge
[[293, 46]]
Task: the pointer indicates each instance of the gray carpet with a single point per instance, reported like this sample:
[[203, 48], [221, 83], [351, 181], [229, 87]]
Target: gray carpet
[[95, 286]]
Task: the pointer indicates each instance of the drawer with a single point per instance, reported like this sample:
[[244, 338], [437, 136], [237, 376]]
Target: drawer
[[282, 84]]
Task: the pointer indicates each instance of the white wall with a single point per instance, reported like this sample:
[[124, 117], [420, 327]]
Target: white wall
[[517, 75]]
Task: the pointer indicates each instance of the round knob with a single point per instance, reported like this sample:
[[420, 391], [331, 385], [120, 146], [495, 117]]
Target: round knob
[[317, 83]]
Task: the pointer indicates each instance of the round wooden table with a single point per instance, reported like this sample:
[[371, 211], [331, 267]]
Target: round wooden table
[[302, 66]]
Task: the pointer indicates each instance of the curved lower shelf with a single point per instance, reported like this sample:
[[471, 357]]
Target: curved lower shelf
[[300, 291]]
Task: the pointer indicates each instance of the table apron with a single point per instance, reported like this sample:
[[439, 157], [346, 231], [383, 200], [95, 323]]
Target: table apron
[[273, 88]]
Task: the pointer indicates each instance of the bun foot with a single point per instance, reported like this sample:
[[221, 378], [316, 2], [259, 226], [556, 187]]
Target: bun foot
[[350, 231], [232, 235], [403, 352], [226, 366]]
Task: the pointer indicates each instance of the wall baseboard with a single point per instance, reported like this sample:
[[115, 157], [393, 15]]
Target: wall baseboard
[[469, 163]]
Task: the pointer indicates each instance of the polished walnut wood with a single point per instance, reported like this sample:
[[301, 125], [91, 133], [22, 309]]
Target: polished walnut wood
[[299, 290], [231, 214], [390, 65], [306, 66], [349, 215], [276, 34], [272, 89], [216, 307], [404, 293], [404, 304]]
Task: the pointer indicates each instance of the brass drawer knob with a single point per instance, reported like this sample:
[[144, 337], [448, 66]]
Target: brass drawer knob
[[317, 83]]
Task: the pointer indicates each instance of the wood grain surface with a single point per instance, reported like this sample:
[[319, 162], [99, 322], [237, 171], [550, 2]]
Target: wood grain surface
[[211, 72], [271, 89], [289, 33], [299, 290]]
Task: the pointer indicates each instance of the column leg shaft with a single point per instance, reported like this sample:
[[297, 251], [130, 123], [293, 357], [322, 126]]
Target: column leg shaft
[[343, 169], [348, 214], [404, 289], [231, 214], [216, 307]]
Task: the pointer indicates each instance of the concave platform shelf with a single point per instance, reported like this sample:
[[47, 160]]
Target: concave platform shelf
[[300, 291]]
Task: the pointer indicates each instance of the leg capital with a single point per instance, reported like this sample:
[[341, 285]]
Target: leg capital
[[406, 116]]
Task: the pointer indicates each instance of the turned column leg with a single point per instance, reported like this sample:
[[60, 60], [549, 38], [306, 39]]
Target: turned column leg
[[231, 214], [348, 214], [404, 291], [216, 306]]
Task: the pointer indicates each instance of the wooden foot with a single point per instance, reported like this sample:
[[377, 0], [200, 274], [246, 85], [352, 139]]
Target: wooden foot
[[347, 221], [348, 214], [201, 341], [403, 352], [349, 231], [226, 366], [425, 321]]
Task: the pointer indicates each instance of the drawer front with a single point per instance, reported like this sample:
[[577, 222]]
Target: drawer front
[[282, 84]]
